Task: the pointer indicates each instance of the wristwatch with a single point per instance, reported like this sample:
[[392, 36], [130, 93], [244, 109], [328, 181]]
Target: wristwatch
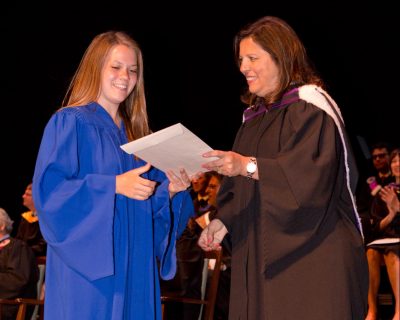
[[251, 167]]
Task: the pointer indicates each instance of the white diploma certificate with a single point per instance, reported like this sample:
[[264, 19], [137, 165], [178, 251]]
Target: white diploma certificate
[[172, 148]]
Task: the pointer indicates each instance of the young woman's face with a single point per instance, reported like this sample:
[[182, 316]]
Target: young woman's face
[[395, 166], [258, 67], [119, 76]]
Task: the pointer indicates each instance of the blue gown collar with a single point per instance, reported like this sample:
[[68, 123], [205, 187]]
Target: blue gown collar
[[95, 106]]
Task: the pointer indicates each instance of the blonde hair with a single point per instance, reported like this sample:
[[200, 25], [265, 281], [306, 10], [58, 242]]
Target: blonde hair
[[86, 82]]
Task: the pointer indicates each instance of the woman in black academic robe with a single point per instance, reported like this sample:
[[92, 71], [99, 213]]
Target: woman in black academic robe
[[297, 245]]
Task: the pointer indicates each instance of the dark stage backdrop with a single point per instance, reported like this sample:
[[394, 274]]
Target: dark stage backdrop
[[190, 73]]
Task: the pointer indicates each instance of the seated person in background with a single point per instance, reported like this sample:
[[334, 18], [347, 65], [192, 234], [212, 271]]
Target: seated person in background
[[190, 259], [18, 269], [382, 176], [198, 192], [211, 192], [385, 214], [221, 311], [28, 229]]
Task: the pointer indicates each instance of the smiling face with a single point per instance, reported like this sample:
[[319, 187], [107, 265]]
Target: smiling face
[[257, 65], [395, 166], [118, 77]]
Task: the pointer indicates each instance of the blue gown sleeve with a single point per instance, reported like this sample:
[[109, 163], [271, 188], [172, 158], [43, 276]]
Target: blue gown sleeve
[[75, 208], [170, 219]]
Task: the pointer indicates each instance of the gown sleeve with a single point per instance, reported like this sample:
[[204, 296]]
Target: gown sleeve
[[170, 219], [75, 208]]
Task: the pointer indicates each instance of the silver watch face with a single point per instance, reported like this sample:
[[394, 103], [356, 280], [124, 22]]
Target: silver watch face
[[251, 167]]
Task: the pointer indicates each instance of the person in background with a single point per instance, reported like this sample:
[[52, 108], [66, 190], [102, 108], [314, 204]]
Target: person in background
[[198, 192], [211, 192], [380, 153], [188, 279], [28, 228], [287, 198], [190, 259], [385, 214], [221, 311], [213, 186], [108, 217], [382, 176], [18, 269]]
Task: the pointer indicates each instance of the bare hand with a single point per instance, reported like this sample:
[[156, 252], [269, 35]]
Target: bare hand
[[388, 194], [177, 183], [132, 185], [211, 237], [229, 163]]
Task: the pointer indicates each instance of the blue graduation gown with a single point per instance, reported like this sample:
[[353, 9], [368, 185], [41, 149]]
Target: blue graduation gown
[[103, 248]]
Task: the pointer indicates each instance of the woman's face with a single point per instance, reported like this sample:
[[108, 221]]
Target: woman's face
[[212, 190], [257, 65], [199, 184], [119, 76], [395, 166]]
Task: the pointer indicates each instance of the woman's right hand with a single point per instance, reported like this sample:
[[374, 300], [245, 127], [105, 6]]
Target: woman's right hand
[[211, 237], [132, 185]]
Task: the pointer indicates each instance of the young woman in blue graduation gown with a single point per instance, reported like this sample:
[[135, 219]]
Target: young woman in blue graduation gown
[[110, 219]]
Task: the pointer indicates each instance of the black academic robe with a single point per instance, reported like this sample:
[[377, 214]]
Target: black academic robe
[[297, 248], [31, 234], [19, 274]]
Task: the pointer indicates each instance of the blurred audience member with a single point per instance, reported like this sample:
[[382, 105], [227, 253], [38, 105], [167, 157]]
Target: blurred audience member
[[190, 258], [381, 176], [28, 229], [18, 269], [385, 214], [221, 311], [198, 192]]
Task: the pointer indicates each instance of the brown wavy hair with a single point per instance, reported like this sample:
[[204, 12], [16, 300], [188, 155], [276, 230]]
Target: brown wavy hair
[[86, 82], [277, 38]]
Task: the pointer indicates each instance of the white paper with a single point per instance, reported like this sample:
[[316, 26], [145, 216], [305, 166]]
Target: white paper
[[385, 241], [171, 148]]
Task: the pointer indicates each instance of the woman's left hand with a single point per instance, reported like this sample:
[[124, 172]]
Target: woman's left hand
[[177, 183]]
